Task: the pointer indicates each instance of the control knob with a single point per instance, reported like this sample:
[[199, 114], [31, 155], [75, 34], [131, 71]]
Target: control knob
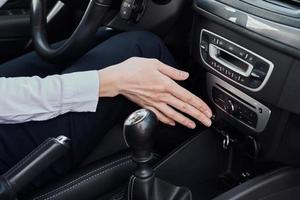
[[230, 107]]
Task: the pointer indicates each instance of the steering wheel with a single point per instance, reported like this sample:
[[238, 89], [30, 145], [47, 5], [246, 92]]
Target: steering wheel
[[79, 41]]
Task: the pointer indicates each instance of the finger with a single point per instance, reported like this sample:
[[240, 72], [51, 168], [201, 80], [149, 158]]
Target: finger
[[173, 73], [176, 116], [188, 109], [189, 98], [162, 117]]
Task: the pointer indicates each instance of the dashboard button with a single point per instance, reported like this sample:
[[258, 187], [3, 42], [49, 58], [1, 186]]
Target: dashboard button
[[230, 107], [223, 70], [230, 48], [242, 80], [241, 53], [251, 59], [205, 55], [222, 43], [204, 46], [213, 40]]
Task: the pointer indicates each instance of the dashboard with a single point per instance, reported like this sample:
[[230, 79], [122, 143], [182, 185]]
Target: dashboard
[[250, 53]]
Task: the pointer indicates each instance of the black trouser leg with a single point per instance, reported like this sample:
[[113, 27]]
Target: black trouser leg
[[85, 129]]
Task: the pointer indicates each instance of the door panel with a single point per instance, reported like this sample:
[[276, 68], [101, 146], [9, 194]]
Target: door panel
[[14, 28]]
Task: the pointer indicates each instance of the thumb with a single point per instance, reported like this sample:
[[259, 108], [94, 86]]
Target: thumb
[[173, 73]]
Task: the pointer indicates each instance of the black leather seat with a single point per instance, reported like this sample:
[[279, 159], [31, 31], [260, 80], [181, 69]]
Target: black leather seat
[[90, 182], [100, 176], [108, 167]]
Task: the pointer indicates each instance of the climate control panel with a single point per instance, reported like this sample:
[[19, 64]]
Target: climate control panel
[[234, 62]]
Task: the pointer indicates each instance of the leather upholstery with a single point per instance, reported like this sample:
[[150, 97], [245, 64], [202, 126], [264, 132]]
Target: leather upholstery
[[154, 188], [31, 166], [92, 181]]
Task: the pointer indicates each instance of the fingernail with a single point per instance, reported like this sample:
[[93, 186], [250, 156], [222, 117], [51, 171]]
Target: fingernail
[[172, 123], [192, 125], [185, 74], [207, 122]]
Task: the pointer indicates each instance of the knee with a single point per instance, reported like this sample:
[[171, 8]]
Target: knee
[[144, 38], [147, 43]]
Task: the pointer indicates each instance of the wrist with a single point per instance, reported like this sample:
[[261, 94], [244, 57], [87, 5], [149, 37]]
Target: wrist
[[108, 82]]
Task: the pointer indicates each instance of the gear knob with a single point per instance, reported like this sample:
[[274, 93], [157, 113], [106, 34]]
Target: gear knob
[[138, 133]]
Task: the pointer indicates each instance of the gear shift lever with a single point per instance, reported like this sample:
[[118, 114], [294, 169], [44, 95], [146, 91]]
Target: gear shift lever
[[138, 134]]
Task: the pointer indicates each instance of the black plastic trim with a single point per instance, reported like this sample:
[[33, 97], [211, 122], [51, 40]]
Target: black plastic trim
[[265, 12], [249, 33]]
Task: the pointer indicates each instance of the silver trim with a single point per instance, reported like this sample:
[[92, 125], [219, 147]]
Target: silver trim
[[263, 112], [62, 139], [213, 52], [136, 117], [102, 5], [55, 10], [279, 32], [271, 65]]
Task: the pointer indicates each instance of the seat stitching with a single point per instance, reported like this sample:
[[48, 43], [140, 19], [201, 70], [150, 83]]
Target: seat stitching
[[132, 186], [82, 177], [86, 180], [129, 187]]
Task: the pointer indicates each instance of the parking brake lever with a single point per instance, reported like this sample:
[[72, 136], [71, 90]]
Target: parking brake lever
[[31, 166]]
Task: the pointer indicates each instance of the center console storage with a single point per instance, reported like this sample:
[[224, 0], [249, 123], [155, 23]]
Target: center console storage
[[202, 165]]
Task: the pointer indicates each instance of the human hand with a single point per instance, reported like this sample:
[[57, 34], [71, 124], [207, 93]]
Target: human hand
[[151, 84]]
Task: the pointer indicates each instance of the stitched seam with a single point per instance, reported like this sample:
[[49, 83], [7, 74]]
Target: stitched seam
[[86, 180], [26, 158], [129, 187], [82, 177], [132, 186]]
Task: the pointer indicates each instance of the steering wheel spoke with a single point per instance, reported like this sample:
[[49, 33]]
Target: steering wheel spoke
[[80, 40]]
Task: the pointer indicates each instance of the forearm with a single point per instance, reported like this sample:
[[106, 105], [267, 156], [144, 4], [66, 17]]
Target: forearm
[[35, 99], [109, 82]]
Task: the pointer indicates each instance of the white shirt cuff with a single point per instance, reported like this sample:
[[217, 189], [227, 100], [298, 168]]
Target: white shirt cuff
[[80, 92]]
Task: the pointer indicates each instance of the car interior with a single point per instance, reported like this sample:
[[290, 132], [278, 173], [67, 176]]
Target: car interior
[[242, 56]]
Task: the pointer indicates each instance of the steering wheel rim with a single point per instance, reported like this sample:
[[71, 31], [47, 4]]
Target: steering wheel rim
[[79, 41]]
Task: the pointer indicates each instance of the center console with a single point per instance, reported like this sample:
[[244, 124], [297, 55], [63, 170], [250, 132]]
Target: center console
[[241, 66], [234, 62], [237, 105], [199, 163], [246, 55]]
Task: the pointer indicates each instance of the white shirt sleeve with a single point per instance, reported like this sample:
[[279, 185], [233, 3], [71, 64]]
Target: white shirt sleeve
[[35, 99]]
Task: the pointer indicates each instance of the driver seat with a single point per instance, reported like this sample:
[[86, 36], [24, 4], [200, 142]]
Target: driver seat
[[90, 182]]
